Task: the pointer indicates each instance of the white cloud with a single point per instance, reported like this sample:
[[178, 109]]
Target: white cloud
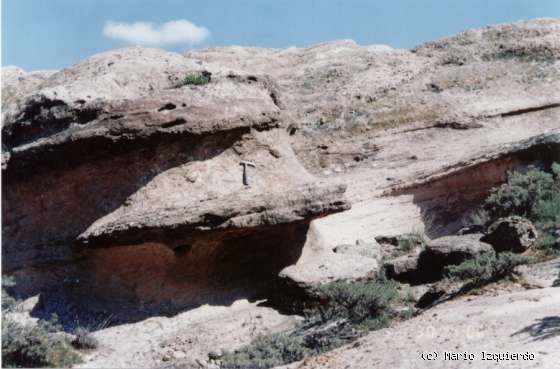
[[146, 33]]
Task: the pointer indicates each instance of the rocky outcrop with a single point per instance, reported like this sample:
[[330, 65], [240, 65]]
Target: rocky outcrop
[[455, 249], [540, 275], [429, 264], [404, 268], [115, 152], [185, 223], [123, 184], [523, 321], [515, 234], [319, 265], [371, 250]]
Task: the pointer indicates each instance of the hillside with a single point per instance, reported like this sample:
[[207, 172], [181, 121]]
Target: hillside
[[126, 205]]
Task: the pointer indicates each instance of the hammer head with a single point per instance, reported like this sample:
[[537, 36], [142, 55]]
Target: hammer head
[[245, 163]]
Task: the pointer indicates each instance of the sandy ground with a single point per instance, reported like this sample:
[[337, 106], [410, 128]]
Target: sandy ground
[[156, 341]]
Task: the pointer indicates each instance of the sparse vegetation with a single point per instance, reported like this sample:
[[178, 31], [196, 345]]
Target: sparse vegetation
[[33, 345], [409, 242], [523, 194], [267, 352], [543, 54], [487, 268], [196, 79], [534, 195], [361, 302], [83, 340], [346, 311]]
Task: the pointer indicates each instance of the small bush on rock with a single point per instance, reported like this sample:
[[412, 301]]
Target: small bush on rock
[[409, 242], [267, 352], [346, 311], [32, 345], [522, 195], [487, 268], [196, 79], [83, 340], [357, 302], [534, 195]]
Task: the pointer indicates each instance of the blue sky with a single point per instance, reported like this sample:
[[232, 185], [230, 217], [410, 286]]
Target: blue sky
[[41, 34]]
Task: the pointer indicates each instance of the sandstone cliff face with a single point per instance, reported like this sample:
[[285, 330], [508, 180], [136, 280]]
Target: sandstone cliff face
[[156, 165], [126, 184]]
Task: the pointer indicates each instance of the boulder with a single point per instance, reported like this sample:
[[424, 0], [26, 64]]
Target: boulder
[[444, 251], [428, 265], [318, 264], [397, 245], [439, 292], [456, 249], [403, 268], [433, 294], [514, 233], [412, 294]]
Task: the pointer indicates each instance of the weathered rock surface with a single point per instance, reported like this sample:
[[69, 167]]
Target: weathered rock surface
[[126, 186], [396, 246], [175, 223], [540, 275], [185, 338], [455, 249], [428, 264], [404, 268], [439, 292], [114, 152], [318, 265], [515, 234], [370, 250], [525, 321]]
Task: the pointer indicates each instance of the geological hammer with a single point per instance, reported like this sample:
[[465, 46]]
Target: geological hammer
[[245, 173]]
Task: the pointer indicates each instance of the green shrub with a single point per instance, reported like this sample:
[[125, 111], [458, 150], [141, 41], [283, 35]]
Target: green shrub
[[488, 267], [357, 302], [32, 345], [522, 194], [83, 339], [35, 345], [346, 310], [547, 220], [196, 79], [410, 241], [534, 195], [549, 243], [267, 352]]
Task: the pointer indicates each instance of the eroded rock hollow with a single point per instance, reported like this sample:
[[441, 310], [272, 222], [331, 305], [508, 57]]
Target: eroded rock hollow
[[123, 183]]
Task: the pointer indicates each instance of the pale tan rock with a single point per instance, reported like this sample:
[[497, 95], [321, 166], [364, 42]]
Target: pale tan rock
[[351, 142], [514, 322], [513, 233]]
